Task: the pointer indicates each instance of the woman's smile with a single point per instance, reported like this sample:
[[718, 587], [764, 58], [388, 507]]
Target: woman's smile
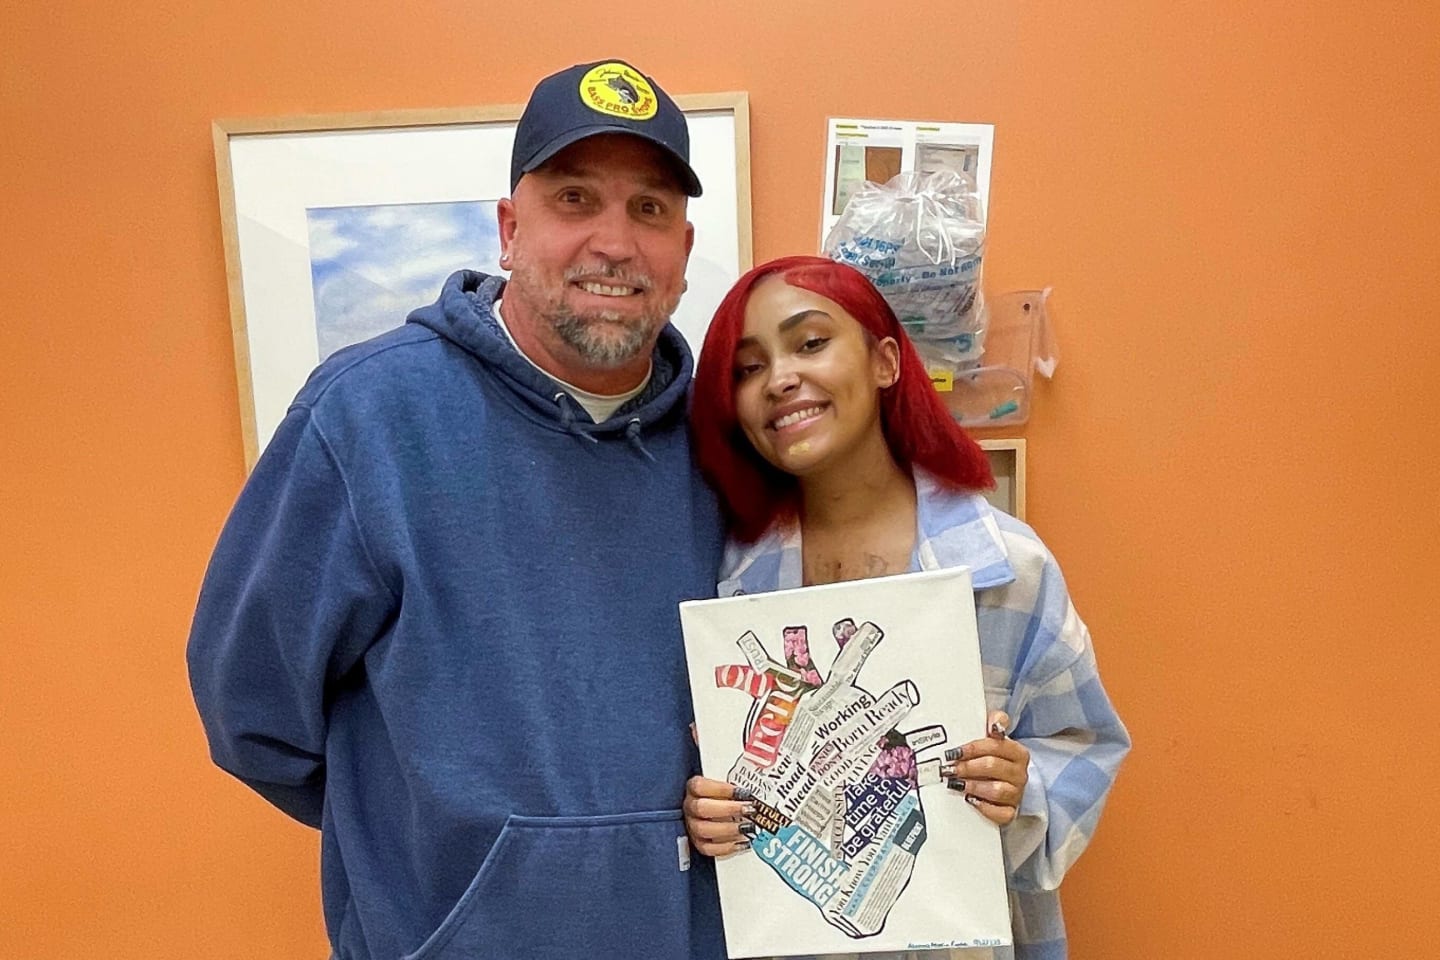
[[796, 420]]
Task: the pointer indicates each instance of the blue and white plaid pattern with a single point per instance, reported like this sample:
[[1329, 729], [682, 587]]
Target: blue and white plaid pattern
[[1039, 668]]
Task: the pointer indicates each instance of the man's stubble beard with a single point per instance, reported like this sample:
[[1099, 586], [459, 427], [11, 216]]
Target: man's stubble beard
[[602, 339]]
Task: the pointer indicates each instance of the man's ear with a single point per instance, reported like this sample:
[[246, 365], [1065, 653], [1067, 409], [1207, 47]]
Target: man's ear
[[505, 218], [689, 238]]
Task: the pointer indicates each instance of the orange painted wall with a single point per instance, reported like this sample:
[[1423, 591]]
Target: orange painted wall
[[1235, 202]]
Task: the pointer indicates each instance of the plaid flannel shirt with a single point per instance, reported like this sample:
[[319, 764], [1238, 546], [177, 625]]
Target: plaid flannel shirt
[[1038, 667]]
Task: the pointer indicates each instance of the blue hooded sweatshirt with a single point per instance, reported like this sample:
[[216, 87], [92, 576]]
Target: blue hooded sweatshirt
[[441, 626]]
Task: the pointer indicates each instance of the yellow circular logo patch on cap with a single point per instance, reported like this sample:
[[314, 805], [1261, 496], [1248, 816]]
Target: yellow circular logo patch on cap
[[617, 91]]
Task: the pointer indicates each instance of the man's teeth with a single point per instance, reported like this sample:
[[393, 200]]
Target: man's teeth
[[796, 417], [605, 290]]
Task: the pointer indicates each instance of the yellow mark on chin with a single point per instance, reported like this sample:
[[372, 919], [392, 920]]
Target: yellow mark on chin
[[802, 446]]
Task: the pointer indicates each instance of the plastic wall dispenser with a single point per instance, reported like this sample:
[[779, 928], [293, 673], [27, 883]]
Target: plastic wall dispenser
[[1018, 342]]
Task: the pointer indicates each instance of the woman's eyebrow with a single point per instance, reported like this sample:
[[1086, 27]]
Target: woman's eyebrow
[[795, 318], [786, 325]]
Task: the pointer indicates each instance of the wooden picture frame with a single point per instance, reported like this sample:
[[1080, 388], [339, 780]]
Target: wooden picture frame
[[299, 195], [1007, 462]]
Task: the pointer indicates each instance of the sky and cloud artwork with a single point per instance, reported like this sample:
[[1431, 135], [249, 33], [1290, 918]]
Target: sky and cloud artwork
[[371, 265]]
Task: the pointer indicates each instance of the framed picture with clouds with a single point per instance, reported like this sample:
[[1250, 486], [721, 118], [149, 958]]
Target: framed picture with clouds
[[337, 226]]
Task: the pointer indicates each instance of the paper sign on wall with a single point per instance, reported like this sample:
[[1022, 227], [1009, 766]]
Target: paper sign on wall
[[876, 150]]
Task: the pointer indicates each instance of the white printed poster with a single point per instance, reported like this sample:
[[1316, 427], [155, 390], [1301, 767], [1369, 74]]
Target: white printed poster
[[834, 706], [857, 151]]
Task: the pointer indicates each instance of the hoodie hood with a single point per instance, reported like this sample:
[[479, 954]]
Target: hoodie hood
[[464, 315]]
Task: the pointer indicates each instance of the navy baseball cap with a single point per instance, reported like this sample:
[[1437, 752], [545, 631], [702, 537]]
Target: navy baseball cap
[[607, 96]]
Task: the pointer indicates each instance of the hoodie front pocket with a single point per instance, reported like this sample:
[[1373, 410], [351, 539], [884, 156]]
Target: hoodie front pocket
[[605, 887]]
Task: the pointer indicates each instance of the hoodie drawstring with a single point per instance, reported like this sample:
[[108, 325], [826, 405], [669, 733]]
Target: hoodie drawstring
[[567, 420], [632, 433], [567, 417]]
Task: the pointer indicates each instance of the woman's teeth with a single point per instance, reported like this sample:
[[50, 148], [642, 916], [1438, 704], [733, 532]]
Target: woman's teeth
[[793, 418]]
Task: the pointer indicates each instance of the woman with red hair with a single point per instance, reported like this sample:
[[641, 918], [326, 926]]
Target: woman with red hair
[[834, 459]]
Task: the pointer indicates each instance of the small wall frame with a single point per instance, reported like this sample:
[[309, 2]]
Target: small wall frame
[[1007, 462]]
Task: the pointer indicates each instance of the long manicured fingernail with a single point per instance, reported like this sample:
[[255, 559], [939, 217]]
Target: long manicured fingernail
[[748, 830], [748, 810], [971, 799], [997, 731], [742, 794], [954, 753], [956, 784]]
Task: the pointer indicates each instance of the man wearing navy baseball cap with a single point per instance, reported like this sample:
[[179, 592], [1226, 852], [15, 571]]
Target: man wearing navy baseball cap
[[594, 98], [440, 624], [595, 234]]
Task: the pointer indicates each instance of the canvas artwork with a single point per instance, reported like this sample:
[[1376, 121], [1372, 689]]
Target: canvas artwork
[[833, 706]]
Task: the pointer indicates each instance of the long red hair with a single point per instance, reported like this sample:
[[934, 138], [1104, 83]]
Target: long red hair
[[917, 427]]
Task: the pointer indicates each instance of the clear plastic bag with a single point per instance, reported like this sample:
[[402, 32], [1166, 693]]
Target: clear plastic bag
[[920, 239]]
